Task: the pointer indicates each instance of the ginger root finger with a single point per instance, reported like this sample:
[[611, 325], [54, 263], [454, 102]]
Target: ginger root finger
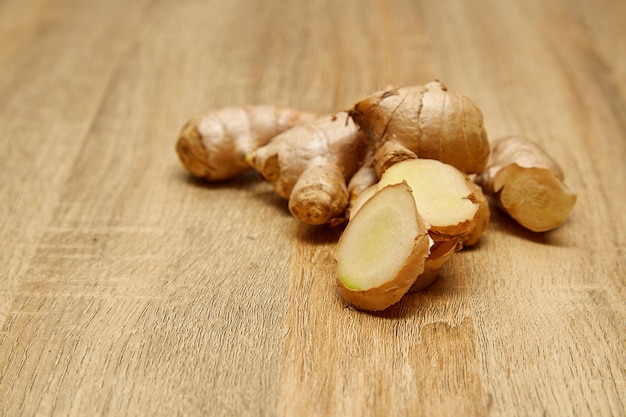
[[214, 146], [319, 196], [426, 121], [382, 250], [527, 184], [333, 147]]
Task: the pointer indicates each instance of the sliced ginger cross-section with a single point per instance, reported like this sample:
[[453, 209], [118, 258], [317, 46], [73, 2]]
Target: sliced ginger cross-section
[[383, 250], [452, 206]]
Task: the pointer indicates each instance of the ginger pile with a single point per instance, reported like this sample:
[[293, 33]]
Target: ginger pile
[[407, 169]]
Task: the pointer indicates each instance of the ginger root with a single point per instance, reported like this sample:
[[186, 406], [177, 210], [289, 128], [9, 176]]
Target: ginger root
[[311, 164], [428, 122], [382, 250], [214, 146], [527, 184], [398, 166]]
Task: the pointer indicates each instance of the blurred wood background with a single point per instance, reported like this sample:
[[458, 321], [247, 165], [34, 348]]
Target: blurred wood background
[[128, 288]]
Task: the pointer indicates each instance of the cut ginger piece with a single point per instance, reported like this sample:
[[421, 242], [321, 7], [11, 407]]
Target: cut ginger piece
[[382, 250], [527, 184]]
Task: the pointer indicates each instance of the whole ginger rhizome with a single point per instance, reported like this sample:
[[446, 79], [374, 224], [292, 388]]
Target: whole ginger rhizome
[[406, 170]]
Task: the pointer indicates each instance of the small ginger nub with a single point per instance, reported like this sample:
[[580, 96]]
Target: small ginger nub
[[527, 184]]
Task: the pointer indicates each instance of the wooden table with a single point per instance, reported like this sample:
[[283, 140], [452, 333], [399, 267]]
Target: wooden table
[[128, 288]]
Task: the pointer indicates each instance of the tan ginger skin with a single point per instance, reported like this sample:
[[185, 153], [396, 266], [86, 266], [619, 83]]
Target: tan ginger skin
[[214, 146], [426, 121], [527, 184], [310, 166], [483, 217]]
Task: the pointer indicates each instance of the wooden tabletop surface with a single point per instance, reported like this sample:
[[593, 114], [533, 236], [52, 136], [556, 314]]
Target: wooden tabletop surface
[[129, 288]]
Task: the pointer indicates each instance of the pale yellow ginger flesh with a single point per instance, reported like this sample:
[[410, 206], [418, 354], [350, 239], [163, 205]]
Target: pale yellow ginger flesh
[[382, 250], [527, 184], [311, 164], [427, 122], [214, 146]]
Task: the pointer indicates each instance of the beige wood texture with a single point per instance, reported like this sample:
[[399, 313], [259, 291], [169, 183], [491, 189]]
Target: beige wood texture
[[128, 288]]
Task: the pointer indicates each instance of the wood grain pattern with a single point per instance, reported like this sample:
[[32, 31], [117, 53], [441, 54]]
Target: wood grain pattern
[[127, 288]]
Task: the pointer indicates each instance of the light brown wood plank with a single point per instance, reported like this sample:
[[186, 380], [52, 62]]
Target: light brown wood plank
[[128, 288], [50, 93]]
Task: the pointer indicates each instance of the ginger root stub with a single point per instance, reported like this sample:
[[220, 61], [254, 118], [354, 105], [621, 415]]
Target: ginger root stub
[[427, 122], [527, 184]]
